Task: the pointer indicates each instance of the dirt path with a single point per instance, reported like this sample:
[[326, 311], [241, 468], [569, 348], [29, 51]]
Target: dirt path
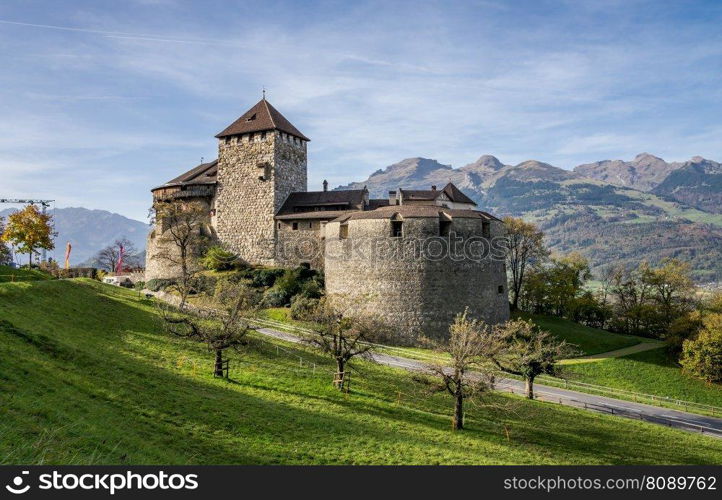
[[617, 353]]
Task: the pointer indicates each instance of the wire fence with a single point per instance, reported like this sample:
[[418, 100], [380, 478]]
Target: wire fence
[[308, 366], [638, 397]]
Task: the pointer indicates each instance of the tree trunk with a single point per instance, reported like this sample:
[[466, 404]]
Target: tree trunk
[[340, 378], [530, 388], [458, 422], [218, 367]]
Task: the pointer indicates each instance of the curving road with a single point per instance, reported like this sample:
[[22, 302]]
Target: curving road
[[662, 416]]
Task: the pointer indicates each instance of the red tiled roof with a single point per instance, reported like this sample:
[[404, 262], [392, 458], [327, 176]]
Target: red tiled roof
[[261, 117]]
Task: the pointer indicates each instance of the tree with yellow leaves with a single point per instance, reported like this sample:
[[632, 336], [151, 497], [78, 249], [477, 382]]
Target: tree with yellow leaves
[[29, 230]]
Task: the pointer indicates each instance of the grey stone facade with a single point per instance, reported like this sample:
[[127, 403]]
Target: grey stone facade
[[256, 173], [413, 283]]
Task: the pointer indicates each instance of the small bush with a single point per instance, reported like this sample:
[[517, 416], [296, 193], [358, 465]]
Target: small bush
[[302, 306], [139, 285], [158, 284], [218, 259], [204, 284], [275, 297], [265, 277], [312, 288]]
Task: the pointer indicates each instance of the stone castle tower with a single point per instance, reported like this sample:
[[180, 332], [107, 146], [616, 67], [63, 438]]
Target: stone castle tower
[[261, 160]]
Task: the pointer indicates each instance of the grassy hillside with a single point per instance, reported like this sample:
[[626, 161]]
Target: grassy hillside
[[87, 379], [589, 340], [650, 372], [8, 273]]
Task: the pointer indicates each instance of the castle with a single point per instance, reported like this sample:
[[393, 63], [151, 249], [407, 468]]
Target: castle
[[414, 259]]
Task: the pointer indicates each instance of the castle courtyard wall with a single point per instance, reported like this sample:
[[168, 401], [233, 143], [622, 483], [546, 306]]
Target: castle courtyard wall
[[404, 283]]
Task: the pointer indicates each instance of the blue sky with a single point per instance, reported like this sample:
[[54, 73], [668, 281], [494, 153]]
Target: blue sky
[[102, 100]]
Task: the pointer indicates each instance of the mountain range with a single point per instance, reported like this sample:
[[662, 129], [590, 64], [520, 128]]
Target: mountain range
[[611, 211], [89, 231]]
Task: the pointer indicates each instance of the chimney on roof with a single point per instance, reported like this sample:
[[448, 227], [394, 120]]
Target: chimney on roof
[[325, 185], [433, 188]]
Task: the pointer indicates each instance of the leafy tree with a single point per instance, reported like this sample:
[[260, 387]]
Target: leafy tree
[[184, 234], [529, 351], [5, 254], [219, 259], [468, 375], [672, 289], [702, 355], [30, 230], [228, 330], [525, 247], [555, 286], [109, 256]]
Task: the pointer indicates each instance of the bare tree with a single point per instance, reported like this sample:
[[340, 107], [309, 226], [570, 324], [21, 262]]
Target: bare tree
[[229, 329], [109, 256], [183, 236], [341, 337], [525, 246], [468, 374], [529, 351]]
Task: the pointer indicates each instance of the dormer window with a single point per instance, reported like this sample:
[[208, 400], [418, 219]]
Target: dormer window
[[251, 118]]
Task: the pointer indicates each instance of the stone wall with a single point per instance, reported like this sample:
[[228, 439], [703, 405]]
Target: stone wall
[[304, 245], [161, 253], [412, 283], [256, 173]]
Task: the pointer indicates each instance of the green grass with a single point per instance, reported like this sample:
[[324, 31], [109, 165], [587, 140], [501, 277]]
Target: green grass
[[650, 372], [87, 378], [590, 340], [8, 273]]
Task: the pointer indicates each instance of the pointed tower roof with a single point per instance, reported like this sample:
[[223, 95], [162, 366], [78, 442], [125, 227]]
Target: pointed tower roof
[[261, 117]]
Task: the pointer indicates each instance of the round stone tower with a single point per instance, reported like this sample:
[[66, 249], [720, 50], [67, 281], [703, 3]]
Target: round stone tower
[[416, 267]]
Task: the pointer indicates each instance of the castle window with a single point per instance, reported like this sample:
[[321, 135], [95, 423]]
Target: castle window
[[279, 225], [501, 289], [397, 228], [250, 137], [266, 175], [444, 227], [294, 226], [486, 229], [343, 231], [263, 136]]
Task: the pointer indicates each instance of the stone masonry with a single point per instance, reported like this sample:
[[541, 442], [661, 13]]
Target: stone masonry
[[256, 173]]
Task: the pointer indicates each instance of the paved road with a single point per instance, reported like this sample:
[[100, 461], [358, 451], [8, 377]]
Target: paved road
[[672, 418]]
